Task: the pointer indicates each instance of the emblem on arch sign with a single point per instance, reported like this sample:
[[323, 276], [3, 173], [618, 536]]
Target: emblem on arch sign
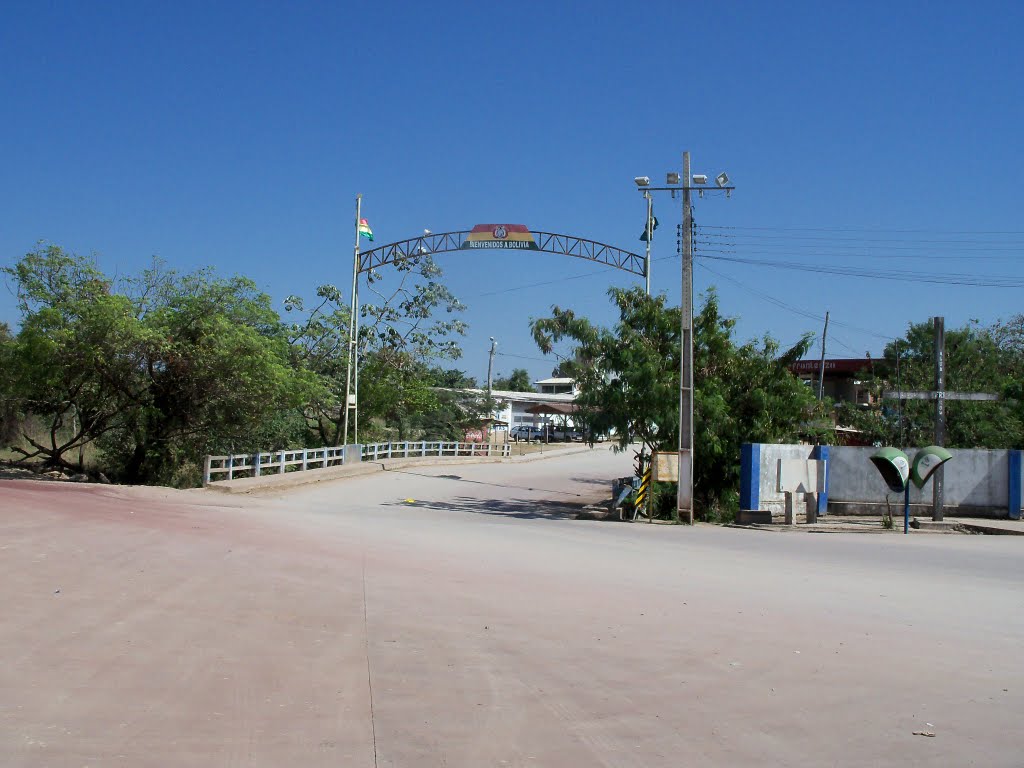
[[504, 236]]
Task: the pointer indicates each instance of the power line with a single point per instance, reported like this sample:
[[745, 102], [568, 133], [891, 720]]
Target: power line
[[991, 281], [871, 230], [988, 245], [543, 283], [887, 252], [599, 271], [801, 312], [527, 357]]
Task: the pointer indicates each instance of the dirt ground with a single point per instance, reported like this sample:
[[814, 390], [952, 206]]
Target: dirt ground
[[460, 617]]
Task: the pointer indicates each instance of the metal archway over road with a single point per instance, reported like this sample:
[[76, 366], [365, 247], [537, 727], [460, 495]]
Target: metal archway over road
[[483, 236], [503, 237]]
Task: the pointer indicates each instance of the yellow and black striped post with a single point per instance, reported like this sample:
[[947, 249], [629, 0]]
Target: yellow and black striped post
[[643, 492]]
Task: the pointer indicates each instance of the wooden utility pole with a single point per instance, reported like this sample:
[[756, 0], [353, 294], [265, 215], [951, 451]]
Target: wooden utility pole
[[940, 411], [684, 496], [821, 369]]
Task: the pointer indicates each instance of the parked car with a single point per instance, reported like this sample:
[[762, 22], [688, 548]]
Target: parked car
[[557, 434], [525, 433]]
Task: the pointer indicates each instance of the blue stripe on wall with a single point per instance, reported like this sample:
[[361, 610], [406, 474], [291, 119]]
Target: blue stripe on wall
[[821, 453], [750, 476], [1016, 461]]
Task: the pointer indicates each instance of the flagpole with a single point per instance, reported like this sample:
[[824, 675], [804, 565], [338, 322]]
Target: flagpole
[[355, 359], [350, 367]]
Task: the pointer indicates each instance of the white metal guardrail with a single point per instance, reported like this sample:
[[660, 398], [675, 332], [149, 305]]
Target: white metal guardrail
[[237, 466]]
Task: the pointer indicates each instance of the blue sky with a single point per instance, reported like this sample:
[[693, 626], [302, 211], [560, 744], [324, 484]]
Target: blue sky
[[866, 136]]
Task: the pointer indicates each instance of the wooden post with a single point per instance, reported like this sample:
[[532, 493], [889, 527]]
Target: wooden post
[[940, 413]]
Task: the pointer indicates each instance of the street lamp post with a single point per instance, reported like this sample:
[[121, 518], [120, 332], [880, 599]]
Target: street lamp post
[[649, 232], [490, 365], [684, 497]]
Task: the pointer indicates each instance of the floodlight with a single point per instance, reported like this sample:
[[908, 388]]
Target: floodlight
[[722, 179], [700, 178], [642, 181], [427, 232], [671, 177]]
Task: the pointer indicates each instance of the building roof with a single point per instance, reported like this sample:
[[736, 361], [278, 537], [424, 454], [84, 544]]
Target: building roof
[[556, 380]]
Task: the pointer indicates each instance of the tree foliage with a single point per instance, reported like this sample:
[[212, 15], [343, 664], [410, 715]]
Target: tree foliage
[[978, 359], [408, 323], [517, 381], [158, 374], [628, 375], [628, 378]]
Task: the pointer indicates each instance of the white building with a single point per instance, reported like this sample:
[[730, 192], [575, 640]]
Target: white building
[[556, 386], [512, 407]]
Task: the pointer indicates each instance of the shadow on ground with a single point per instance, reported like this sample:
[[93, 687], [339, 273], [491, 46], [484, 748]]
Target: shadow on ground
[[460, 479], [525, 509], [604, 482]]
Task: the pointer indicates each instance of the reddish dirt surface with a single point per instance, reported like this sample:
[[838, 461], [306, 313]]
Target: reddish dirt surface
[[458, 617], [146, 627]]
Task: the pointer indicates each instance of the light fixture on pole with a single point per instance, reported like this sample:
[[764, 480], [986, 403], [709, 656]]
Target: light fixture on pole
[[684, 497]]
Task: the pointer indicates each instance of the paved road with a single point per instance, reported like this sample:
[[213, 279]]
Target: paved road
[[459, 617]]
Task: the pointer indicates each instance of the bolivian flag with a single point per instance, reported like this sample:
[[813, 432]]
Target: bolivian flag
[[365, 231], [513, 236]]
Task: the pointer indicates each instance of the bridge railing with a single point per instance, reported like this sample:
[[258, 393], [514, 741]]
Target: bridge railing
[[238, 466], [440, 449]]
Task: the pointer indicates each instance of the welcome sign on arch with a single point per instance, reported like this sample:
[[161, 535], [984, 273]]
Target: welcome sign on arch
[[512, 236]]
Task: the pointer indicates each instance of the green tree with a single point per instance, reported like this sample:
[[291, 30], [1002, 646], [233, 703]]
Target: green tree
[[743, 393], [451, 378], [10, 418], [158, 374], [216, 372], [628, 378], [75, 361], [409, 322], [517, 381], [978, 359]]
